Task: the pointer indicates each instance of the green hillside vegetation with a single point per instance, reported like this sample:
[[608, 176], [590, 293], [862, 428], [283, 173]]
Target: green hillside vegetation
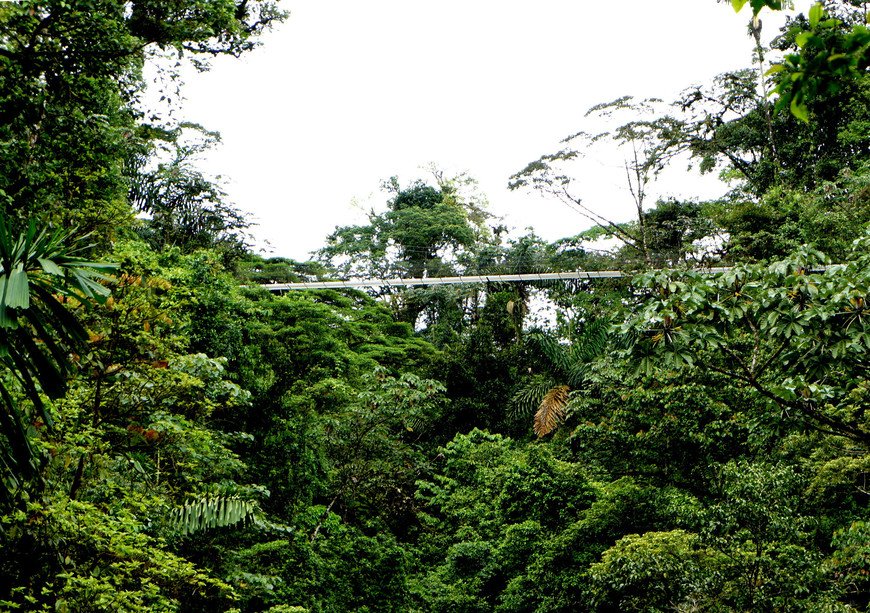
[[174, 438]]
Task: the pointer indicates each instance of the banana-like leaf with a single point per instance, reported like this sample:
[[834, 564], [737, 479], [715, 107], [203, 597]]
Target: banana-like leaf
[[51, 380], [7, 474]]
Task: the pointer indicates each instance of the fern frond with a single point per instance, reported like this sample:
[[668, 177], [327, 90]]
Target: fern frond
[[551, 413], [207, 513], [529, 396]]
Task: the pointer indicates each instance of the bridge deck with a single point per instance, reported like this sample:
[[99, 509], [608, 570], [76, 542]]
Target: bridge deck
[[461, 280]]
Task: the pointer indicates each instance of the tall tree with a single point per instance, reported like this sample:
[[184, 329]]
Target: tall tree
[[185, 208], [426, 231], [70, 80]]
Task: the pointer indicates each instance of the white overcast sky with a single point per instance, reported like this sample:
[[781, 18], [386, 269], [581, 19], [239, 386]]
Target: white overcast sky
[[345, 94]]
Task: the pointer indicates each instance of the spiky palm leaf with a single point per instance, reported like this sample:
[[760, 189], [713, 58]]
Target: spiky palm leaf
[[38, 269], [551, 413]]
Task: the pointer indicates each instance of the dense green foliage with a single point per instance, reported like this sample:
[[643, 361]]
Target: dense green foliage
[[175, 438]]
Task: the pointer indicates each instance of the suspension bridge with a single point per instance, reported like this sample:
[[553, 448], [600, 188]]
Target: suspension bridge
[[462, 280]]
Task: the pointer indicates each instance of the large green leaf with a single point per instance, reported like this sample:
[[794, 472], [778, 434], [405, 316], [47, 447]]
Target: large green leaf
[[17, 289], [49, 266]]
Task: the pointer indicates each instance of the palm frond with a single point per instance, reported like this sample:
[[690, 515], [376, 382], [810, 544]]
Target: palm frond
[[207, 513], [529, 396], [37, 332], [549, 347], [577, 374], [591, 343], [551, 413], [21, 459]]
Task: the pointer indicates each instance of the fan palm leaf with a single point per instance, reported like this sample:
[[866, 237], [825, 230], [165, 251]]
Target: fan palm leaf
[[38, 269]]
